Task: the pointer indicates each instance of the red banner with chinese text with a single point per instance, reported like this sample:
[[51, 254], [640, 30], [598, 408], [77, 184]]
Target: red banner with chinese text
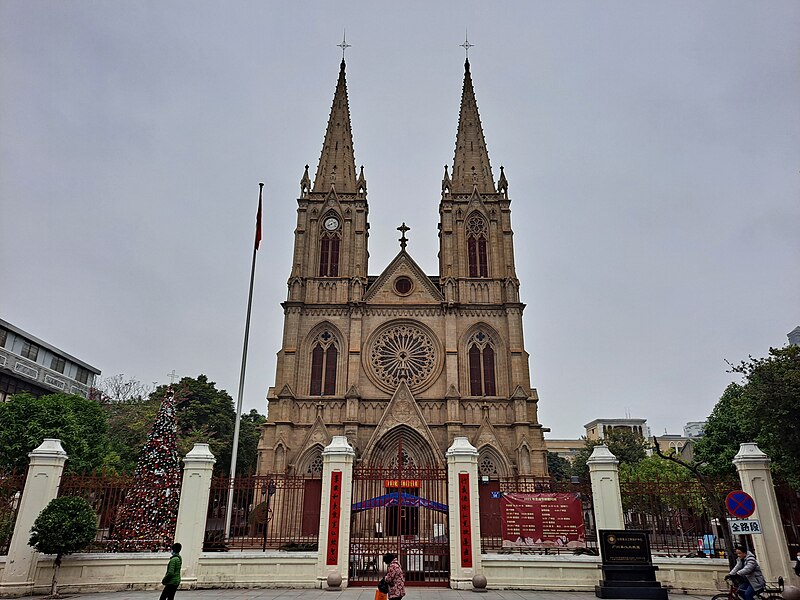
[[465, 519], [333, 518], [542, 519]]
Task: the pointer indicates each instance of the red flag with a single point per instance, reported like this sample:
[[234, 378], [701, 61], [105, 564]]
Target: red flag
[[258, 216]]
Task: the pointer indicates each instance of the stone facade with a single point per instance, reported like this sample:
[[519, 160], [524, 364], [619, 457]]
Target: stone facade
[[403, 355]]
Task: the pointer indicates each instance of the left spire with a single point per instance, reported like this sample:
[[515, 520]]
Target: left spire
[[337, 163]]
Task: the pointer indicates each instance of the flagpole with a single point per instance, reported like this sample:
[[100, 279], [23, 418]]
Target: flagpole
[[235, 449]]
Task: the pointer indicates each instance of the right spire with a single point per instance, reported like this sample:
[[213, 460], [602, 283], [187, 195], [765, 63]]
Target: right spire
[[471, 168]]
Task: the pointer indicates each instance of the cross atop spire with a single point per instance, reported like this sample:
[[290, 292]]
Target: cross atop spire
[[337, 163], [471, 168], [403, 240], [466, 45], [344, 45]]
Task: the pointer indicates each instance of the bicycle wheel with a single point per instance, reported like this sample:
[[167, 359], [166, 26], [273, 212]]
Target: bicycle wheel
[[726, 596]]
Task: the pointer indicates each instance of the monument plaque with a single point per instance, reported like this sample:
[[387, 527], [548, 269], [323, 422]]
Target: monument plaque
[[625, 548], [628, 570]]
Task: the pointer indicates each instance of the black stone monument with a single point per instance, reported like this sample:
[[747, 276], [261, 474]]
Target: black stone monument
[[628, 570]]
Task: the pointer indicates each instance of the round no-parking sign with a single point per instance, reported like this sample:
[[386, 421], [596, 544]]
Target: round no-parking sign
[[740, 504]]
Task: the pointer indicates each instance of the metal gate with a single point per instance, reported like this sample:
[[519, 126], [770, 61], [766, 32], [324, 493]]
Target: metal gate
[[400, 509]]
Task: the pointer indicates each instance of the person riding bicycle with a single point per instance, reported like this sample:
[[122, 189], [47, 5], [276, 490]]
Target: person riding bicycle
[[750, 573]]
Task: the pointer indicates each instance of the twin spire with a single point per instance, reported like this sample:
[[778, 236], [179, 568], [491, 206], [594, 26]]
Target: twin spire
[[337, 163], [471, 168]]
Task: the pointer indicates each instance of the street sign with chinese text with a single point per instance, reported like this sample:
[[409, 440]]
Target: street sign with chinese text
[[745, 526]]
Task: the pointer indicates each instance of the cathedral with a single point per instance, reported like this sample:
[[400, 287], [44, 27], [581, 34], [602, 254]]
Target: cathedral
[[402, 362]]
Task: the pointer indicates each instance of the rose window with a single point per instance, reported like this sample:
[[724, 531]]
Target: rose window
[[407, 463], [487, 467], [315, 467], [403, 351]]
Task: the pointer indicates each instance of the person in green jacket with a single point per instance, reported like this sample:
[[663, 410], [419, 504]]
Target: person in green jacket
[[172, 579]]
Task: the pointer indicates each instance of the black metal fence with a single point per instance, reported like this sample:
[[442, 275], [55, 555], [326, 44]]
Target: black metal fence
[[105, 492], [789, 506], [11, 486], [677, 514], [269, 512]]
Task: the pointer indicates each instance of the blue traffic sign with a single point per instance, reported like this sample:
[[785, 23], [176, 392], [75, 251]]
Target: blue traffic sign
[[740, 504]]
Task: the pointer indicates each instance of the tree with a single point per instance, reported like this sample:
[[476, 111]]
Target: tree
[[78, 422], [249, 434], [120, 389], [723, 432], [714, 496], [764, 408], [629, 447], [655, 468], [558, 467], [66, 525], [129, 424], [205, 414], [147, 518]]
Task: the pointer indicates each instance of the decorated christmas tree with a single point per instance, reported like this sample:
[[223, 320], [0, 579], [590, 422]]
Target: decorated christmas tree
[[146, 520]]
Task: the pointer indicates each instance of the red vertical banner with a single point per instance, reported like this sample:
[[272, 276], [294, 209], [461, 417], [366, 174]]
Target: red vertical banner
[[465, 519], [333, 518]]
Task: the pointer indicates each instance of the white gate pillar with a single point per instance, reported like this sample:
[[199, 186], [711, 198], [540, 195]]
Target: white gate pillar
[[463, 513], [190, 528], [606, 497], [44, 475], [335, 510], [771, 548]]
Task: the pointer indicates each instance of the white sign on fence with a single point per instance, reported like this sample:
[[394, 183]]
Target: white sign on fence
[[745, 526]]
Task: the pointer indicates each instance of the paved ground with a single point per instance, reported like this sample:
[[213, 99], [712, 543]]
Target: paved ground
[[351, 594]]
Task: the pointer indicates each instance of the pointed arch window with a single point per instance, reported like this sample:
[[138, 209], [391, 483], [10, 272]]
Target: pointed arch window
[[324, 358], [330, 236], [480, 355], [477, 258]]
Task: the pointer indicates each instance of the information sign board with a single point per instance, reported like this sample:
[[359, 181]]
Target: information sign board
[[542, 519]]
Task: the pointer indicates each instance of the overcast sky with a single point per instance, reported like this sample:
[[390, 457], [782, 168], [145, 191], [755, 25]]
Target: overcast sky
[[652, 152]]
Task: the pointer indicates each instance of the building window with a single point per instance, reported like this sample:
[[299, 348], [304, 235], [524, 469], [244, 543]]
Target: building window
[[403, 285], [315, 466], [3, 337], [57, 364], [477, 233], [329, 246], [487, 467], [30, 351], [323, 365], [481, 365], [82, 376]]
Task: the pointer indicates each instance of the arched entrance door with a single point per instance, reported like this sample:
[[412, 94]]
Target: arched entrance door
[[400, 506]]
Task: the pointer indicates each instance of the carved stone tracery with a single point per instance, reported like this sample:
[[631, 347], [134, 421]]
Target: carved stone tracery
[[403, 351]]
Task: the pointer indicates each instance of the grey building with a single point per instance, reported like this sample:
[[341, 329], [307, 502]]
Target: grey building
[[794, 336], [694, 429], [28, 364]]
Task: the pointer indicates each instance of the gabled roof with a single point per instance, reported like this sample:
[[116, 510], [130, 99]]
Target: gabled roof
[[425, 291]]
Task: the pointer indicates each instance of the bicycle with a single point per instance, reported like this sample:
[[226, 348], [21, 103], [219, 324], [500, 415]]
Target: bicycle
[[768, 593]]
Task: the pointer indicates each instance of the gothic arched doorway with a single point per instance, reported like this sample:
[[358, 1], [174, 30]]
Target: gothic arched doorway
[[400, 506]]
